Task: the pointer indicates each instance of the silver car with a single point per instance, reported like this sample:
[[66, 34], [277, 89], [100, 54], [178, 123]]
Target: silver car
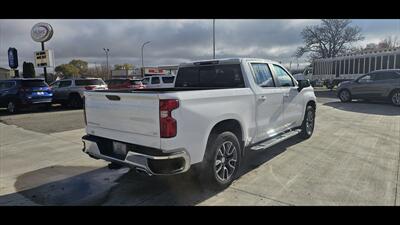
[[69, 92], [376, 85]]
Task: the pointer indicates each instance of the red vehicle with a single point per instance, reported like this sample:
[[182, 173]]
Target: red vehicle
[[123, 83]]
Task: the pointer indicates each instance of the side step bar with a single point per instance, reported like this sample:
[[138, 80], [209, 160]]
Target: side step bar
[[275, 140]]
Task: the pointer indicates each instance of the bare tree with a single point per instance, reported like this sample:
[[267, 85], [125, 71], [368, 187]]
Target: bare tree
[[389, 42], [330, 38]]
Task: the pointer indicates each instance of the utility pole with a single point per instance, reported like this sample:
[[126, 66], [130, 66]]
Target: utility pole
[[147, 42], [213, 38], [106, 50]]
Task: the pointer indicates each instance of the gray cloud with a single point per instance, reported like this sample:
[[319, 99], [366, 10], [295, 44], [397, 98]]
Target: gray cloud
[[173, 41]]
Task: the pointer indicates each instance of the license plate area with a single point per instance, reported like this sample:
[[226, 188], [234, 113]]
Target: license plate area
[[119, 149]]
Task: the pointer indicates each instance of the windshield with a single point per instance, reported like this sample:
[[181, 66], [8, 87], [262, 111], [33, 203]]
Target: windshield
[[89, 82]]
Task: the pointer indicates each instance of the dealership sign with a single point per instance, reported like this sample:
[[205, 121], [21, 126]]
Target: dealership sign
[[44, 58], [13, 58], [41, 32]]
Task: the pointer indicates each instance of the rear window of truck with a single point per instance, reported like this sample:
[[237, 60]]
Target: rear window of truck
[[227, 76]]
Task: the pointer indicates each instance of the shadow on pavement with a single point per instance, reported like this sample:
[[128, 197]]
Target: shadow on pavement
[[54, 108], [376, 108], [101, 186]]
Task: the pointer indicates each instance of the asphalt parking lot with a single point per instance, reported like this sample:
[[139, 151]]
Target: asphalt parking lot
[[353, 158]]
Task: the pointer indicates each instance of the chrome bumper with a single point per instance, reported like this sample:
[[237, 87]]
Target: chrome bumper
[[137, 160]]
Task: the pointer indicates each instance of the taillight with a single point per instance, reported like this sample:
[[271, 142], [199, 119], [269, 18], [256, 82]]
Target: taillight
[[167, 122], [89, 87]]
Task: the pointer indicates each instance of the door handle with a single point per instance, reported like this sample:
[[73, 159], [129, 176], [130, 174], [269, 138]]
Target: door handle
[[262, 98], [286, 95]]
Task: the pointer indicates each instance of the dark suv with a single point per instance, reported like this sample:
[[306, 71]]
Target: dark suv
[[376, 85], [16, 94]]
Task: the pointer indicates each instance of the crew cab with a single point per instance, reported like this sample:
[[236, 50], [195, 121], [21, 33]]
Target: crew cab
[[217, 111]]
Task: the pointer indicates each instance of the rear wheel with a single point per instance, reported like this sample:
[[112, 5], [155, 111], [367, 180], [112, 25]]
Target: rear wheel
[[221, 161], [12, 107], [345, 96], [307, 127], [395, 97]]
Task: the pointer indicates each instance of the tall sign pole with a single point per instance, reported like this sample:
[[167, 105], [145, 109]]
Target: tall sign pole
[[42, 32], [213, 38], [44, 68]]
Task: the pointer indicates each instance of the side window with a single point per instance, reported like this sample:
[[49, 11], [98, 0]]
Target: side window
[[168, 80], [145, 81], [262, 75], [387, 75], [155, 80], [283, 77], [65, 83], [6, 85], [367, 78]]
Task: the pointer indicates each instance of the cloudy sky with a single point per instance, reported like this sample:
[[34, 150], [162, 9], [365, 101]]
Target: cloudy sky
[[172, 41]]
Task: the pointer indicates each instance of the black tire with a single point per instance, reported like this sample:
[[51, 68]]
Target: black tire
[[75, 102], [12, 107], [307, 127], [344, 95], [208, 172], [395, 97]]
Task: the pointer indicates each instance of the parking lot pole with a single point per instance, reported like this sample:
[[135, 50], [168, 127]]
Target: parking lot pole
[[44, 68], [213, 38]]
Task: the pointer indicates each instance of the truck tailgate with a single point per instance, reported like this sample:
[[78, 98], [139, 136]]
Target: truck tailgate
[[126, 117]]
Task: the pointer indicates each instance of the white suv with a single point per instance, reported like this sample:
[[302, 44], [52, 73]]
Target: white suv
[[162, 81]]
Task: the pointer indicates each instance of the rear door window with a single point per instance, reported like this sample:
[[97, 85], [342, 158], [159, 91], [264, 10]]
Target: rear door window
[[155, 80], [168, 80], [387, 75], [65, 83]]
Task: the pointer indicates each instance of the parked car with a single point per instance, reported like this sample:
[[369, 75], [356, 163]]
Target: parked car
[[159, 81], [16, 94], [376, 85], [217, 111], [122, 83], [69, 92]]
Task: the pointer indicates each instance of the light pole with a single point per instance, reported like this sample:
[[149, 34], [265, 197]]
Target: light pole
[[106, 50], [213, 38], [147, 42]]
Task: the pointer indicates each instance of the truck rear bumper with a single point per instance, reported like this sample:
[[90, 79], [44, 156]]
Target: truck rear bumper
[[153, 164]]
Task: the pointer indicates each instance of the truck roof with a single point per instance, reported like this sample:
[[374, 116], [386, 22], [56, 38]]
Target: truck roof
[[224, 61]]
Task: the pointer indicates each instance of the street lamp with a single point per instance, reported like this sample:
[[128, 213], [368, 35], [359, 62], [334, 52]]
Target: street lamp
[[106, 50], [147, 42], [213, 38]]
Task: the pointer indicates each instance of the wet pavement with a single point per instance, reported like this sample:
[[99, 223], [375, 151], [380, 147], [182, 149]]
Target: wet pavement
[[353, 158]]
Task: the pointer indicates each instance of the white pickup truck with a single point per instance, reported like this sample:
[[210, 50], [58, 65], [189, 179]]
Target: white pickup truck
[[218, 110]]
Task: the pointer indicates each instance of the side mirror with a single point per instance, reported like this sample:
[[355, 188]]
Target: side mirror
[[303, 84]]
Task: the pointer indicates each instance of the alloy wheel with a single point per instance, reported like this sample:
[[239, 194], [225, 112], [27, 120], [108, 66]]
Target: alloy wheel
[[225, 161], [396, 98], [310, 122]]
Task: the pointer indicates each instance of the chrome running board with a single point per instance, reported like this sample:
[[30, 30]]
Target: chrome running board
[[275, 140]]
